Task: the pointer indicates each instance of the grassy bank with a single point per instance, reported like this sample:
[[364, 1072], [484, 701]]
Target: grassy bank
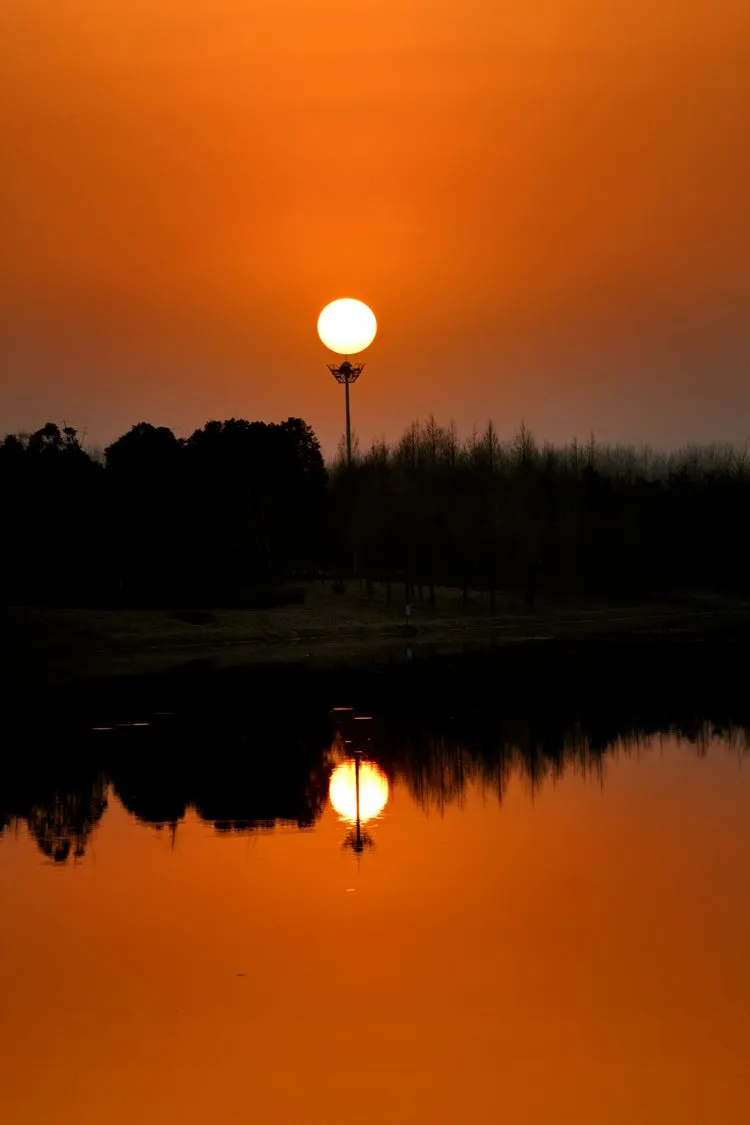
[[60, 645]]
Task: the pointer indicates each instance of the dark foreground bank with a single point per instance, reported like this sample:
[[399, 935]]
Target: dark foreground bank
[[44, 647]]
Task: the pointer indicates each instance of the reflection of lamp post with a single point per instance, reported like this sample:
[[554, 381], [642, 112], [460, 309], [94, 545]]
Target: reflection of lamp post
[[357, 840], [358, 792]]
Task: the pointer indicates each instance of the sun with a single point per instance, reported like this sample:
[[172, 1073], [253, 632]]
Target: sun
[[373, 791], [347, 326]]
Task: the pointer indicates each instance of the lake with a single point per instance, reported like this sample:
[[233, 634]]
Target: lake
[[541, 914]]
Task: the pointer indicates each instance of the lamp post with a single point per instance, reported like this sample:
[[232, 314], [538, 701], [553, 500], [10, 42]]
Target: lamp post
[[347, 373]]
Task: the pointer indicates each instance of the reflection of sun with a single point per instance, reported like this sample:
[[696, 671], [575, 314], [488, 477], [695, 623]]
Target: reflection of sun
[[373, 791]]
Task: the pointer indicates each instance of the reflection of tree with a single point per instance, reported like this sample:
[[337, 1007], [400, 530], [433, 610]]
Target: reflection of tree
[[439, 728], [259, 793], [438, 770], [434, 770], [238, 781], [150, 791], [242, 759], [60, 818], [232, 795], [234, 792], [63, 826], [485, 718]]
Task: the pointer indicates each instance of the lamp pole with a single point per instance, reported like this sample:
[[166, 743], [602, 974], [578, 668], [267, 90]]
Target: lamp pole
[[347, 373], [348, 426]]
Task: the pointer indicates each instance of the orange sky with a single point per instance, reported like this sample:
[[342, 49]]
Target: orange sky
[[545, 203]]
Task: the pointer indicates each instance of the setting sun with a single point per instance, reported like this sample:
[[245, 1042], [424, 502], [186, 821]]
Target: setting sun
[[347, 326]]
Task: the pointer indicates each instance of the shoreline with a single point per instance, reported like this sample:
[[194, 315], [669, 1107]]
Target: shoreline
[[53, 647]]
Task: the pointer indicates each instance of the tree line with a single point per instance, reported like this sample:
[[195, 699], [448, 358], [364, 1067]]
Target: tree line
[[579, 520], [236, 503], [242, 504]]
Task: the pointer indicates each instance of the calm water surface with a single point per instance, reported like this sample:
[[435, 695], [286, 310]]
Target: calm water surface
[[528, 931]]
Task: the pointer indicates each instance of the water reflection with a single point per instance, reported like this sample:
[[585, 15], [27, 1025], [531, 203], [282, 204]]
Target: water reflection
[[358, 792], [250, 769], [62, 812], [582, 960], [61, 809]]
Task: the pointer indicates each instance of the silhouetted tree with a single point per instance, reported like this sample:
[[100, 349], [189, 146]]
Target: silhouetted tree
[[240, 504], [575, 521], [258, 493], [143, 471], [235, 504], [52, 495]]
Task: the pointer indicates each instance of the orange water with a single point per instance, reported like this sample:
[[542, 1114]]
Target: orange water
[[581, 955]]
